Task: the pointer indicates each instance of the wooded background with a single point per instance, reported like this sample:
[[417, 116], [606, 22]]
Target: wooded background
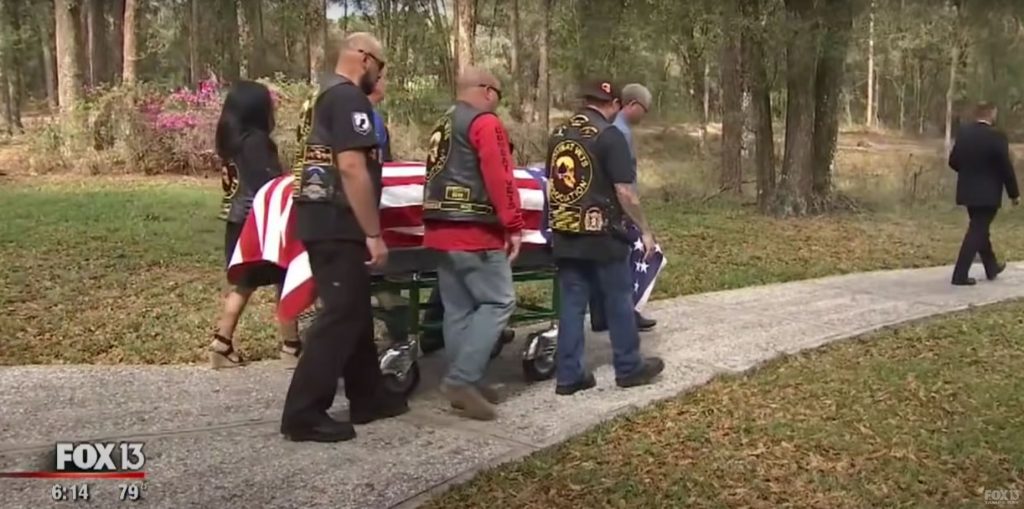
[[778, 76]]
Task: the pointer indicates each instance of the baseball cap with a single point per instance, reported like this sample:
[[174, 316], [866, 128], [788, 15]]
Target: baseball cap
[[600, 89]]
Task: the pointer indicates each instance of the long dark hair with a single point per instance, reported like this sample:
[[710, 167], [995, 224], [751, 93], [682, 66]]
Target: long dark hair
[[248, 107]]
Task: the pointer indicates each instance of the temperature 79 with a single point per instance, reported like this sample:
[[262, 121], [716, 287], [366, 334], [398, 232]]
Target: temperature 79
[[129, 492]]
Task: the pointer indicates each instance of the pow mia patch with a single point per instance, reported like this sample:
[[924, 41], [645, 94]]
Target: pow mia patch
[[588, 131], [571, 172], [361, 122]]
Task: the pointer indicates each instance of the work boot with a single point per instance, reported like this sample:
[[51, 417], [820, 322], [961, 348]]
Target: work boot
[[644, 324], [470, 401], [651, 368], [487, 391], [587, 382]]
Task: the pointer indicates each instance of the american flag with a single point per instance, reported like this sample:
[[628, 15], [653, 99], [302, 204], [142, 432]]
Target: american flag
[[644, 271], [267, 234]]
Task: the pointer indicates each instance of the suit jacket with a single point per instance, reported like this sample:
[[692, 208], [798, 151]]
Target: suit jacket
[[981, 158]]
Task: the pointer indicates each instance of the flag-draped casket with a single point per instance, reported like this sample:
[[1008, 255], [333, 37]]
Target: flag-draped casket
[[267, 234]]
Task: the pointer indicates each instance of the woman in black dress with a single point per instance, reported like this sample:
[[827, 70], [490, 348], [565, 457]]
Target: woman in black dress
[[249, 160]]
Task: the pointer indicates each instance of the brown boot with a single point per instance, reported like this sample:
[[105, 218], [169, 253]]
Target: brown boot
[[469, 399], [487, 391]]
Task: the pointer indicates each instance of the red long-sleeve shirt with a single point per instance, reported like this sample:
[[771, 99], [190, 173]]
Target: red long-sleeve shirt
[[489, 138]]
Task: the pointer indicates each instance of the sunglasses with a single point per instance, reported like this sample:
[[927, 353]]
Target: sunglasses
[[496, 91], [380, 63]]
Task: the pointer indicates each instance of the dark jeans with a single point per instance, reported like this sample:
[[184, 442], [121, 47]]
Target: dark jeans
[[576, 279], [976, 242], [339, 342]]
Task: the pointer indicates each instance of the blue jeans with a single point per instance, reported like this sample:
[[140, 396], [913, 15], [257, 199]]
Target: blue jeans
[[615, 282], [478, 298]]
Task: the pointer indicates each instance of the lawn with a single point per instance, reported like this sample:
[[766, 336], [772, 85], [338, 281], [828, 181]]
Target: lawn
[[926, 415], [130, 269]]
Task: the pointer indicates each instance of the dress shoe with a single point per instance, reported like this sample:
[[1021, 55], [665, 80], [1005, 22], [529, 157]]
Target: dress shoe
[[644, 324], [651, 368], [326, 430], [588, 382], [999, 270], [965, 282], [378, 408]]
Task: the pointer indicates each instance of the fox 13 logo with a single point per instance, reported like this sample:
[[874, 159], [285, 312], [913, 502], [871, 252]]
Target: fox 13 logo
[[99, 457]]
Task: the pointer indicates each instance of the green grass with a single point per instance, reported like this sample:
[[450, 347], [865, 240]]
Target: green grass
[[131, 269], [927, 415]]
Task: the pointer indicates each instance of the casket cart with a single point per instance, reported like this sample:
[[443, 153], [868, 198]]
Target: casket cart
[[401, 289]]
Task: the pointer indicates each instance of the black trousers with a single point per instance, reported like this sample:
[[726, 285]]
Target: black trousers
[[339, 342], [976, 242]]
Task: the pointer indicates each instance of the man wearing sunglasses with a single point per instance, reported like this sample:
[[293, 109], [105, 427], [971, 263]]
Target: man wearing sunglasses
[[336, 206], [636, 102], [472, 217]]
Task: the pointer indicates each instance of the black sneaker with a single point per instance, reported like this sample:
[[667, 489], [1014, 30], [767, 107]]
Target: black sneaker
[[965, 282], [588, 382], [376, 409], [651, 368], [326, 430]]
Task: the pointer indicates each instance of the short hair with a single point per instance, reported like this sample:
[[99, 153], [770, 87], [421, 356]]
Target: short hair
[[636, 92], [984, 110]]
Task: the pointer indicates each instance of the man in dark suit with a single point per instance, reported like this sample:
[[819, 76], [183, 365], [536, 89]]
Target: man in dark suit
[[981, 157]]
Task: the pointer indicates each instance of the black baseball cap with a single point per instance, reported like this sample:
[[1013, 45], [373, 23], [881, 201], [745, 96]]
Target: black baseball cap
[[600, 89]]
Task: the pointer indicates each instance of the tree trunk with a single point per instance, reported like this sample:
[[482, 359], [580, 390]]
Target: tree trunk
[[838, 17], [115, 39], [544, 89], [231, 65], [517, 107], [194, 32], [44, 21], [954, 57], [14, 62], [756, 73], [794, 189], [869, 111], [69, 72], [705, 117], [465, 28], [253, 46], [732, 102], [316, 26], [96, 41], [5, 97], [131, 49]]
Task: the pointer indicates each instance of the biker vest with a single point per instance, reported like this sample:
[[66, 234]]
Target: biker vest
[[229, 185], [315, 171], [581, 198], [454, 188]]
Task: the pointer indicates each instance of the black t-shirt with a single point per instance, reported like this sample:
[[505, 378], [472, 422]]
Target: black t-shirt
[[616, 162], [343, 116], [257, 163]]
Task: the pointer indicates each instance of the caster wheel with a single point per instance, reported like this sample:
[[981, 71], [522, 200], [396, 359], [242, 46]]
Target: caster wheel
[[539, 355], [404, 384]]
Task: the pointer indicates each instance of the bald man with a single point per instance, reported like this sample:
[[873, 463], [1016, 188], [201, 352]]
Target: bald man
[[472, 216], [336, 203]]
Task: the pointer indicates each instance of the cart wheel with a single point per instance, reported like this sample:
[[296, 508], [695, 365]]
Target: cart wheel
[[539, 355], [403, 383], [507, 336]]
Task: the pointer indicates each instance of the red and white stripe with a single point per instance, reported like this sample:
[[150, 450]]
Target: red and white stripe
[[267, 236]]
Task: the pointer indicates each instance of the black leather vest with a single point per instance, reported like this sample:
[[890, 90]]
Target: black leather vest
[[315, 172], [581, 197], [454, 188]]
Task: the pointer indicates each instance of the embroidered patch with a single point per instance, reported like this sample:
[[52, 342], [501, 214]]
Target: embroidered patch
[[361, 122]]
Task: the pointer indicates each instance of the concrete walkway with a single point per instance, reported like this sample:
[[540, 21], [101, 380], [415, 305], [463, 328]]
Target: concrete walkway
[[212, 437]]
